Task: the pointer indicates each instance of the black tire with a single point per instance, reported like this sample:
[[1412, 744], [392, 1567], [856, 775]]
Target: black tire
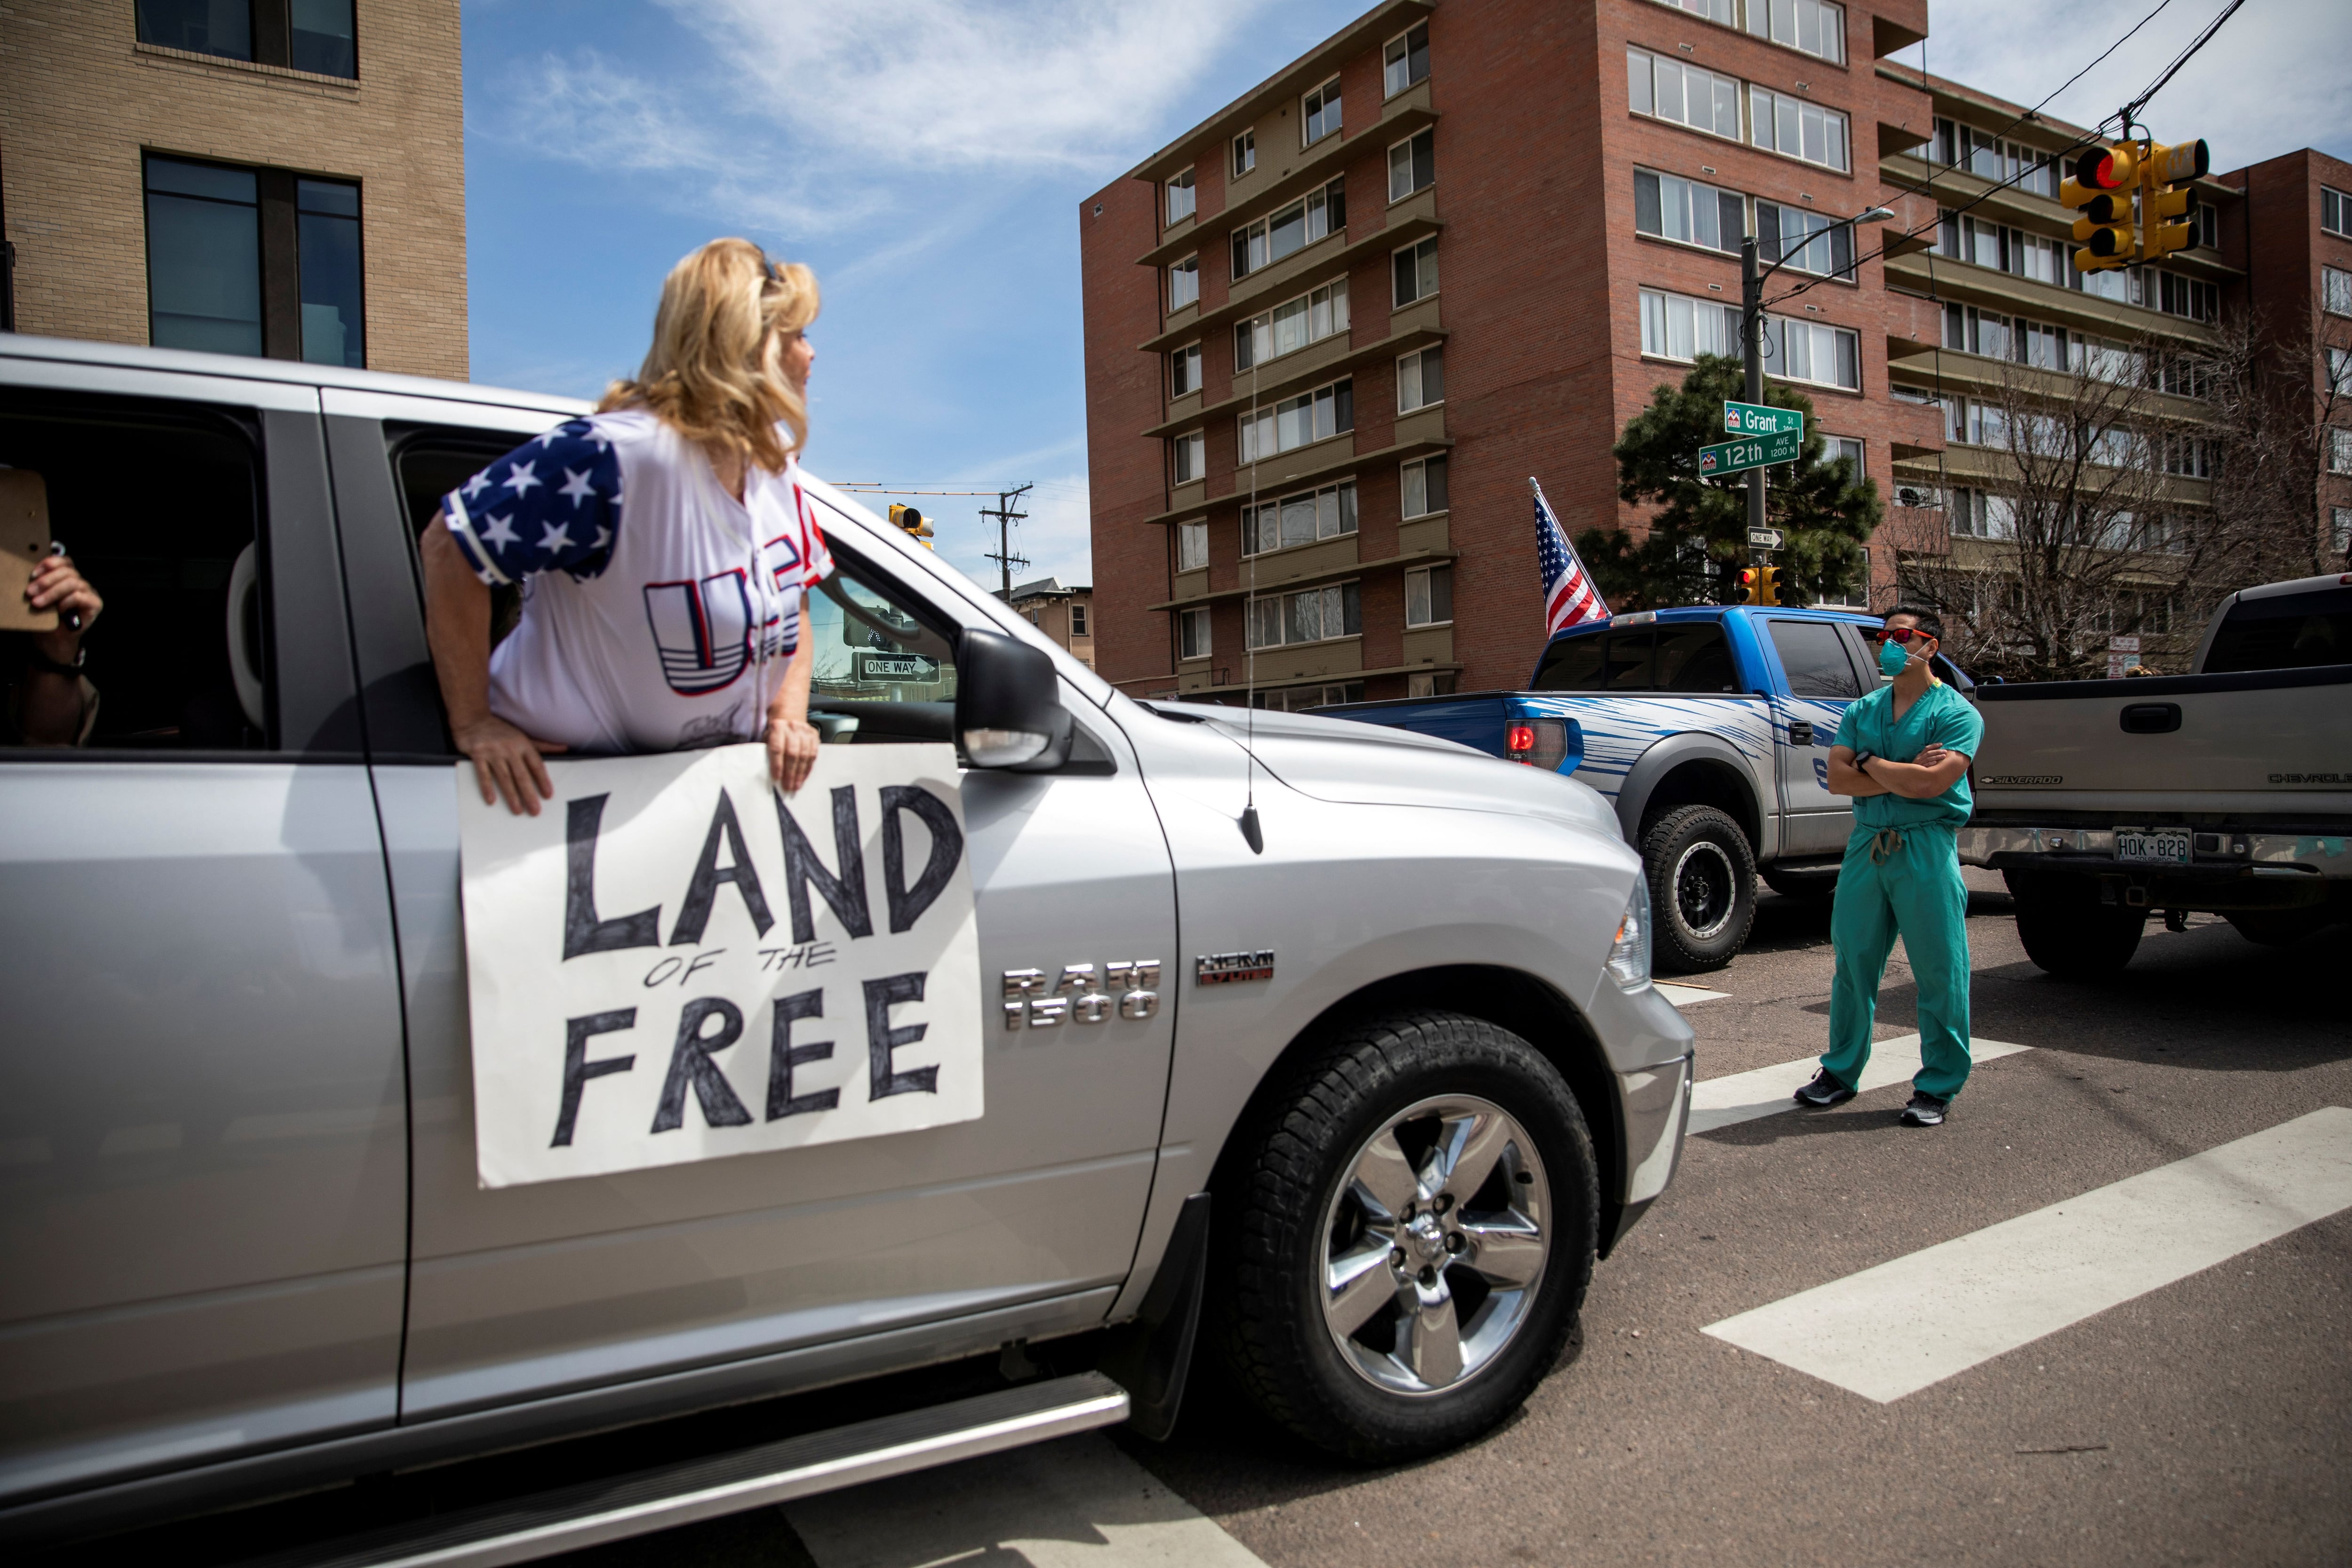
[[2066, 931], [1274, 1234], [2276, 928], [1702, 888], [1813, 884]]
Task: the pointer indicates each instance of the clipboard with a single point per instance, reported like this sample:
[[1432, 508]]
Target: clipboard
[[24, 542]]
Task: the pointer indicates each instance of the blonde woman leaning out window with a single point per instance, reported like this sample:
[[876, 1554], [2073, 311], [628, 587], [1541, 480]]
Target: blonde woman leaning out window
[[674, 622]]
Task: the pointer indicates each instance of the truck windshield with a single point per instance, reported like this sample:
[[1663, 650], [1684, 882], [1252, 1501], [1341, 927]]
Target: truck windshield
[[1689, 658], [2293, 631]]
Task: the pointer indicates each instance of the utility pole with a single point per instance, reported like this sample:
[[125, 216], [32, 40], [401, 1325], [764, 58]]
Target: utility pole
[[1005, 518], [1751, 349]]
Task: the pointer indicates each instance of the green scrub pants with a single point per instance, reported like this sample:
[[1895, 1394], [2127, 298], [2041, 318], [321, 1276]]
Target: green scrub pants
[[1905, 880]]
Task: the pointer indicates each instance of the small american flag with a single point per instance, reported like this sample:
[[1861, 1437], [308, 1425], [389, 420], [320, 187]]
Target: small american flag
[[1569, 598]]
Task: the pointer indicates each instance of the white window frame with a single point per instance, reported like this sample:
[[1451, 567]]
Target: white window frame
[[2340, 449], [1271, 418], [1187, 266], [1343, 515], [1424, 579], [1411, 169], [1079, 620], [1837, 128], [1660, 309], [1414, 251], [1180, 180], [1776, 333], [1188, 456], [1245, 152], [2335, 291], [2329, 196], [1192, 545], [2339, 372], [1414, 476], [1332, 594], [1262, 327], [1829, 21], [1393, 82], [1724, 12], [1688, 204], [1185, 381], [1257, 238], [1645, 68], [1192, 635], [1836, 446], [1323, 95], [1412, 374], [2340, 529], [1799, 257]]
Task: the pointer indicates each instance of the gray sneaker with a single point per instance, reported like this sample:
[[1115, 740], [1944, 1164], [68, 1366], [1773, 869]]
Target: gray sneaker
[[1826, 1090], [1925, 1110]]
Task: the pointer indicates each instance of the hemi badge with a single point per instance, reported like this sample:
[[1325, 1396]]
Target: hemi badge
[[1226, 968]]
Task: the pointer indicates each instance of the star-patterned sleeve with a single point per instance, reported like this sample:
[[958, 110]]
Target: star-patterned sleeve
[[816, 557], [552, 504]]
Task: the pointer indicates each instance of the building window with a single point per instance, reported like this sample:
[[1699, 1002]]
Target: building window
[[1318, 615], [2339, 451], [1318, 113], [1184, 283], [1291, 325], [209, 271], [1798, 128], [1192, 633], [1191, 456], [1179, 197], [1834, 448], [1674, 326], [1429, 596], [1299, 699], [1299, 421], [1406, 60], [1412, 165], [2028, 169], [1245, 153], [1712, 10], [1804, 241], [1685, 94], [1078, 619], [1293, 228], [1853, 597], [1978, 515], [1429, 686], [222, 27], [322, 37], [2189, 457], [2335, 211], [2205, 219], [1185, 371], [1975, 241], [315, 36], [1813, 351], [2339, 372], [1671, 207], [1416, 272], [2190, 297], [2340, 529], [1192, 546], [1421, 379], [1326, 514], [1812, 25], [2335, 291], [1422, 486]]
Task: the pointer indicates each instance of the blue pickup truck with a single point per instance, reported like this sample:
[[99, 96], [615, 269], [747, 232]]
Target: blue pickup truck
[[1708, 730]]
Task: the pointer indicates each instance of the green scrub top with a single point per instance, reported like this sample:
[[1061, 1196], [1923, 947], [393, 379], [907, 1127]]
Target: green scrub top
[[1941, 715]]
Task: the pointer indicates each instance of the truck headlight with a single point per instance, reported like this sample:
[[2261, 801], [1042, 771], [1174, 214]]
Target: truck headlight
[[1628, 955]]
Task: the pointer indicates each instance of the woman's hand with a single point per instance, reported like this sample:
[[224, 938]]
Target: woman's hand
[[57, 586], [792, 750], [506, 762]]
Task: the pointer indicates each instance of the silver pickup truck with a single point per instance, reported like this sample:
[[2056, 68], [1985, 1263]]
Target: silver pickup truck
[[2227, 790], [1409, 1078]]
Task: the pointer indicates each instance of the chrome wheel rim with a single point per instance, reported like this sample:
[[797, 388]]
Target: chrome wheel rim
[[1434, 1245], [1704, 883]]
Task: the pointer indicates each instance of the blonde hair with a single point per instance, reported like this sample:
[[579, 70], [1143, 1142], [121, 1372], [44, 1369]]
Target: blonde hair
[[715, 372]]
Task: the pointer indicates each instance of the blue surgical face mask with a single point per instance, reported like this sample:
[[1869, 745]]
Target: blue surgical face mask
[[1893, 657]]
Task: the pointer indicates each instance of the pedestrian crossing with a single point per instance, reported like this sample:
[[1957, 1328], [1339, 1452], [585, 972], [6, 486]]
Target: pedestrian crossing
[[1766, 1091]]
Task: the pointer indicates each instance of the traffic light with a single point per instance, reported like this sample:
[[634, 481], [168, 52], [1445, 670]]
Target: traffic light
[[1772, 589], [1751, 586], [2100, 191], [913, 523], [2165, 201]]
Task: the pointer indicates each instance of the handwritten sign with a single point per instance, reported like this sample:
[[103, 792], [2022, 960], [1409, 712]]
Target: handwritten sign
[[675, 962]]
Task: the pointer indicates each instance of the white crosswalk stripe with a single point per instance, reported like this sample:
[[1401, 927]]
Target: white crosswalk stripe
[[1895, 1328], [1074, 1503], [1765, 1091]]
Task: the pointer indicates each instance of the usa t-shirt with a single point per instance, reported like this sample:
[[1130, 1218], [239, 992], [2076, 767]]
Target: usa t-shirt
[[659, 628]]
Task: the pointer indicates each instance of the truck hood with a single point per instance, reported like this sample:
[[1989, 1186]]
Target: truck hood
[[1346, 763]]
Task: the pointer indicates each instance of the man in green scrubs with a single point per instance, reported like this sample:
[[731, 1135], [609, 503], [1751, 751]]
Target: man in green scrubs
[[1903, 753]]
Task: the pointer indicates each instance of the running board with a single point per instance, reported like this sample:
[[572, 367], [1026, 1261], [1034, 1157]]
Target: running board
[[570, 1518]]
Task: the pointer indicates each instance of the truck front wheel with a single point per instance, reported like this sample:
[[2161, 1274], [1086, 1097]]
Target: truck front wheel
[[1403, 1247], [2066, 931], [1702, 885]]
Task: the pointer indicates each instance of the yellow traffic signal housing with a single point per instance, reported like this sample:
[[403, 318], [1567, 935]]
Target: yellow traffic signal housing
[[2100, 191], [912, 523], [1772, 589], [2165, 201], [1751, 586]]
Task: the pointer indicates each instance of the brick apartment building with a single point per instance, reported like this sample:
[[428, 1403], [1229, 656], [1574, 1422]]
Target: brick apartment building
[[1063, 610], [277, 177], [1279, 389]]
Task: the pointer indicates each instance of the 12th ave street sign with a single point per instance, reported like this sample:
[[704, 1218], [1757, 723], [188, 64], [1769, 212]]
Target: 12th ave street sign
[[1756, 419], [1756, 452]]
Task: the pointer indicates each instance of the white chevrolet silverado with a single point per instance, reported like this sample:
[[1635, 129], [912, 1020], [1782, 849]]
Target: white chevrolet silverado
[[1380, 1074], [2227, 790]]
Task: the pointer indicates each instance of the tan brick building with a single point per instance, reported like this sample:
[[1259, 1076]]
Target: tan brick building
[[1063, 610], [247, 175]]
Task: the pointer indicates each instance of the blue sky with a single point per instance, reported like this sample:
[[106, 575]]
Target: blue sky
[[927, 158]]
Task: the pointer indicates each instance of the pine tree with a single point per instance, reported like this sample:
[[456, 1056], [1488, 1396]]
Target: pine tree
[[1698, 539]]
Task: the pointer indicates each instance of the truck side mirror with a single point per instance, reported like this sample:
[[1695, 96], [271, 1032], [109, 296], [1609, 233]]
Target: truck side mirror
[[1008, 705]]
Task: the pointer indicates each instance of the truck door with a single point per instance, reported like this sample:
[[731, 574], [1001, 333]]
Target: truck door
[[202, 1124], [1819, 681], [773, 1269]]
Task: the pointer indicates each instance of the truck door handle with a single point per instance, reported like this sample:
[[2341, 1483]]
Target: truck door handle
[[1801, 732], [2150, 718]]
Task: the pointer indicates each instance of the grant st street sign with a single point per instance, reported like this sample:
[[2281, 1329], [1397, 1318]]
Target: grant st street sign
[[1755, 452], [1756, 419]]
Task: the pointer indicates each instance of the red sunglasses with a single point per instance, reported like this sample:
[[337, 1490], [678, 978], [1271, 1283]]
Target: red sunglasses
[[1900, 635]]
